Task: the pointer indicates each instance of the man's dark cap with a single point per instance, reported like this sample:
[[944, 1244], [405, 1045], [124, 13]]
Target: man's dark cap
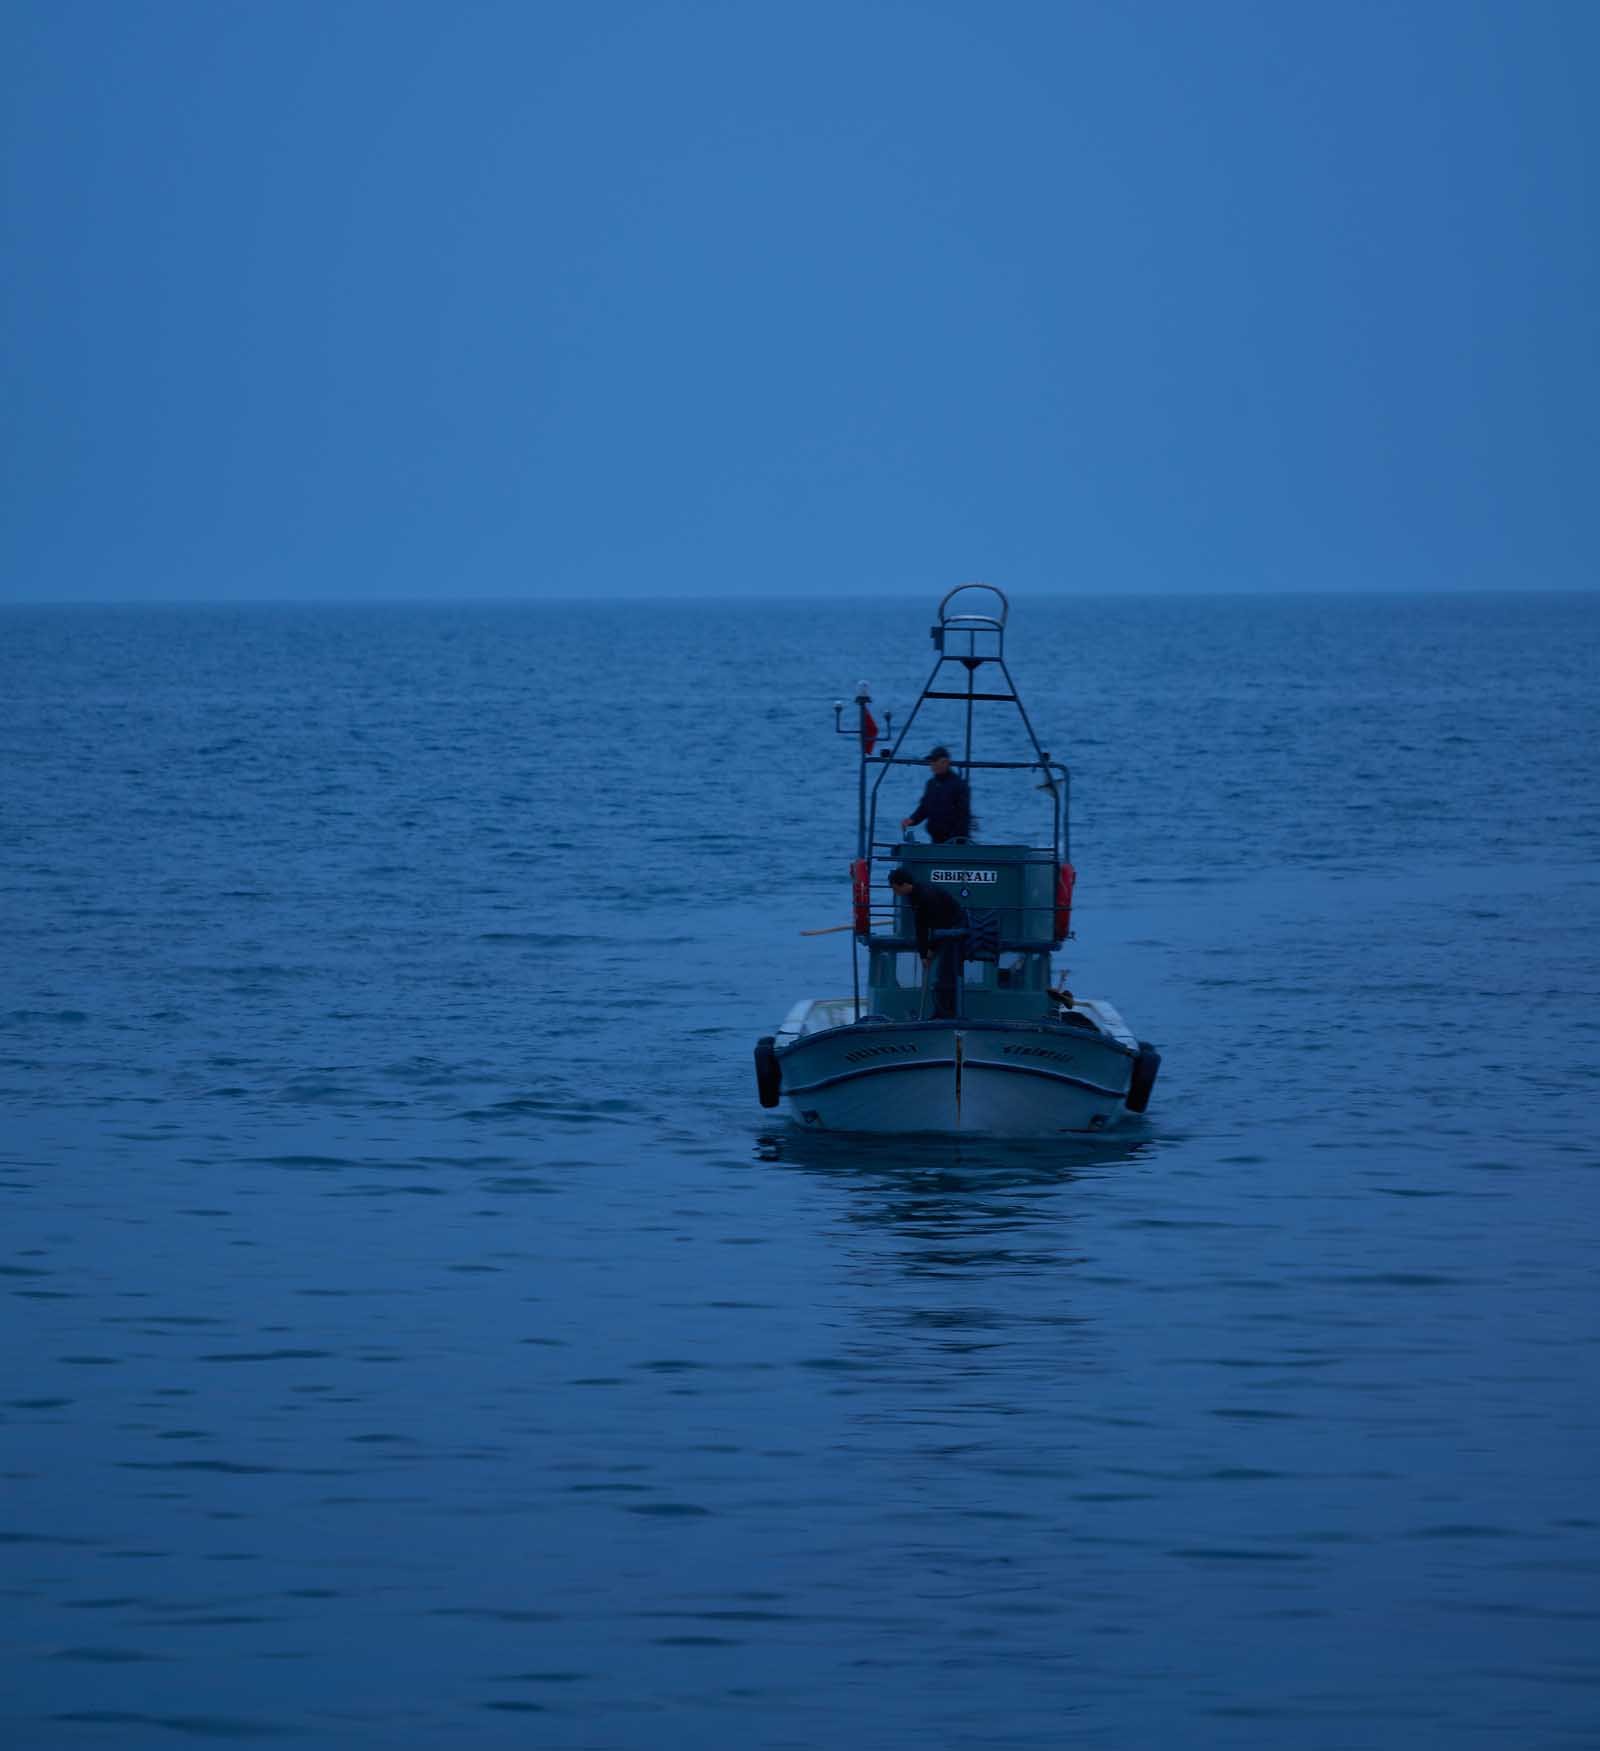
[[939, 753], [901, 875]]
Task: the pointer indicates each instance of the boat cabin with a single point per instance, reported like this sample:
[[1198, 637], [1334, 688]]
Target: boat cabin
[[1017, 886]]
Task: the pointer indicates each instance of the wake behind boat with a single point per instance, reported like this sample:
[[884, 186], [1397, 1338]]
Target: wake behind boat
[[958, 1025]]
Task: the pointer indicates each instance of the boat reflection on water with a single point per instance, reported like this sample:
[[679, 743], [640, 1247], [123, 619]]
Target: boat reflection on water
[[956, 1206], [986, 1163], [963, 1266]]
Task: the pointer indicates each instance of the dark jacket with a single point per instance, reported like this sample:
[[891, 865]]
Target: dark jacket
[[933, 909], [947, 808]]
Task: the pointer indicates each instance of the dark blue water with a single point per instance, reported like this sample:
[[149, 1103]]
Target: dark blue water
[[416, 1335]]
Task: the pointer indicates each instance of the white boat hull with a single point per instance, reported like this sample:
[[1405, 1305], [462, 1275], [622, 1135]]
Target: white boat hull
[[995, 1079]]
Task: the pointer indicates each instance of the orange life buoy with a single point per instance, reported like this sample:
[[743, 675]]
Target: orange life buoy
[[1066, 877]]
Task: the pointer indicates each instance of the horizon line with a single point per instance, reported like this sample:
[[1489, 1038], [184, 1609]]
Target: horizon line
[[589, 599]]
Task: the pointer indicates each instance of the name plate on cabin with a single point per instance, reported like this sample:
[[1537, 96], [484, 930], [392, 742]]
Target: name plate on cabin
[[958, 877]]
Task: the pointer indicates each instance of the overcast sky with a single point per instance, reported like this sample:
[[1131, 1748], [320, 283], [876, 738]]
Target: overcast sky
[[608, 297]]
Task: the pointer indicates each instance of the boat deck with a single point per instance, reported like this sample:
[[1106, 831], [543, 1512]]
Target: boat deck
[[816, 1015]]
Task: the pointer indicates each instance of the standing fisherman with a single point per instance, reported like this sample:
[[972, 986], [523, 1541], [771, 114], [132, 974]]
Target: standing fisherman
[[946, 802]]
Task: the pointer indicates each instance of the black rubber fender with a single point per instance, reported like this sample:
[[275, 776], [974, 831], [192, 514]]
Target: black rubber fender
[[769, 1074], [1143, 1081]]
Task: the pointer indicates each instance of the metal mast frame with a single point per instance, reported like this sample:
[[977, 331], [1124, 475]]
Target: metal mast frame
[[972, 641]]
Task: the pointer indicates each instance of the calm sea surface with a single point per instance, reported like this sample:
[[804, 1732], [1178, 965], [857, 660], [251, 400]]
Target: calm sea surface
[[415, 1334]]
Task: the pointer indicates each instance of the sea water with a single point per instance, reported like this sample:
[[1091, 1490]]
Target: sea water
[[416, 1335]]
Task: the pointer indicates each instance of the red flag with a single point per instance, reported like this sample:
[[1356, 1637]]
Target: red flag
[[869, 731]]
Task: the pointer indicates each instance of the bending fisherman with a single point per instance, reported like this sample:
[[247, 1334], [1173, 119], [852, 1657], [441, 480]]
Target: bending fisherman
[[933, 910]]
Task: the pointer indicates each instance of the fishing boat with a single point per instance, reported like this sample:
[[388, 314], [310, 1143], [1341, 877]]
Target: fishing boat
[[978, 1034]]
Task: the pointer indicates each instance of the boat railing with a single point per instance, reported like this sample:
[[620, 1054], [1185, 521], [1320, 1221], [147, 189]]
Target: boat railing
[[887, 759], [1057, 780], [1021, 945]]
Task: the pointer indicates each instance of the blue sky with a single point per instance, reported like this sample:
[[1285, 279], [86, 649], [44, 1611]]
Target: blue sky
[[485, 298]]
